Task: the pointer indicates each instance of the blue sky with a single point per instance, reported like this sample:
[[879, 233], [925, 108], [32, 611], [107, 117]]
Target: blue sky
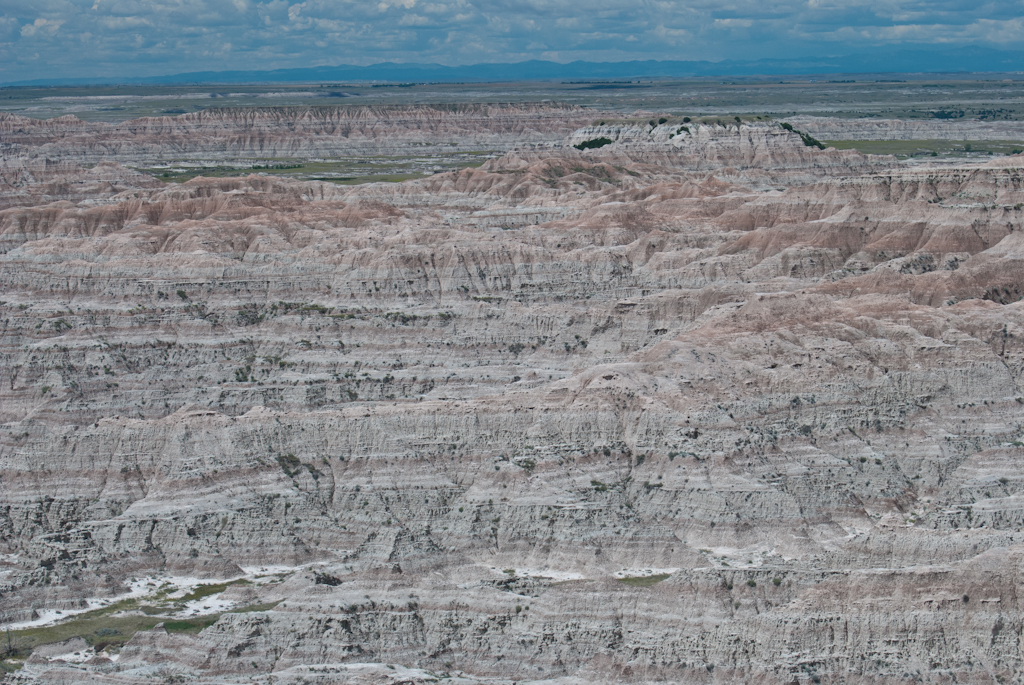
[[86, 38]]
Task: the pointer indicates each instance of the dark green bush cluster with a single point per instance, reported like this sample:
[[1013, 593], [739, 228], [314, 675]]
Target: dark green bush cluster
[[593, 144], [320, 578], [808, 139], [811, 141], [290, 464]]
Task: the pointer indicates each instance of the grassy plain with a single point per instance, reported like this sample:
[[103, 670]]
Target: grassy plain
[[344, 171], [992, 98], [930, 148], [957, 98]]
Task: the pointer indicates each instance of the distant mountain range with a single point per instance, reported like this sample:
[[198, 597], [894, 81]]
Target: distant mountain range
[[958, 60]]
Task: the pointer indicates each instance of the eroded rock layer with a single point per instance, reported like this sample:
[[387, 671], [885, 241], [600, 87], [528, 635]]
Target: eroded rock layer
[[287, 132], [714, 407], [953, 128]]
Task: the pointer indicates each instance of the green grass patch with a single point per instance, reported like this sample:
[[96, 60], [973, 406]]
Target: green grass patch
[[191, 625], [116, 607], [644, 581], [905, 149], [202, 591], [252, 608], [383, 178], [97, 631], [153, 610], [100, 630], [345, 171], [6, 667]]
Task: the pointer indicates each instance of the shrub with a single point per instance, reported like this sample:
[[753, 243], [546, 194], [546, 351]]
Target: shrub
[[249, 315], [810, 141], [776, 581], [290, 464], [326, 579], [751, 583], [662, 120], [594, 143]]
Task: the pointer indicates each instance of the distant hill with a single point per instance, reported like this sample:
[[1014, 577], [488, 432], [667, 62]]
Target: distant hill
[[958, 60]]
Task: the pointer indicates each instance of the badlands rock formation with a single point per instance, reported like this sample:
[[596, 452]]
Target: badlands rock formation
[[275, 132], [711, 408], [834, 128]]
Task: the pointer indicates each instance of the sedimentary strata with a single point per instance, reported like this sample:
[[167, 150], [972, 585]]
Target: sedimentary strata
[[698, 406], [954, 128], [290, 132]]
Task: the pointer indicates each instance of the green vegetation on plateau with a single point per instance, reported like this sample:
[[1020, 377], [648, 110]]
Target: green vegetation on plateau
[[930, 148], [644, 581], [593, 144], [346, 171]]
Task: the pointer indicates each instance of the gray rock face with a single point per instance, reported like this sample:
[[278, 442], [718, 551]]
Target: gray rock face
[[283, 132], [620, 414], [832, 128]]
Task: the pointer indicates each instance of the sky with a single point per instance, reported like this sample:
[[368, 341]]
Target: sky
[[42, 39]]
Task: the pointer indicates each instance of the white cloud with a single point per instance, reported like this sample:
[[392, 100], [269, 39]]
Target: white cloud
[[413, 20], [41, 27], [7, 25], [150, 34], [116, 23], [1005, 32], [385, 5], [670, 35]]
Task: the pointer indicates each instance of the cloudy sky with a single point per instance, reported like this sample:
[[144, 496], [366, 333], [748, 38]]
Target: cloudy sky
[[86, 38]]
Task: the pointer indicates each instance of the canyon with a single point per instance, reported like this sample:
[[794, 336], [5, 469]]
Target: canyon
[[634, 400]]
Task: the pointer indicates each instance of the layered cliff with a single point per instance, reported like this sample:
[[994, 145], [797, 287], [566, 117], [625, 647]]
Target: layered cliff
[[833, 128], [276, 132], [627, 413]]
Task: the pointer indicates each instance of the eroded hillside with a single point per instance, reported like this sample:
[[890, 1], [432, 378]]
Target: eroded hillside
[[701, 405]]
